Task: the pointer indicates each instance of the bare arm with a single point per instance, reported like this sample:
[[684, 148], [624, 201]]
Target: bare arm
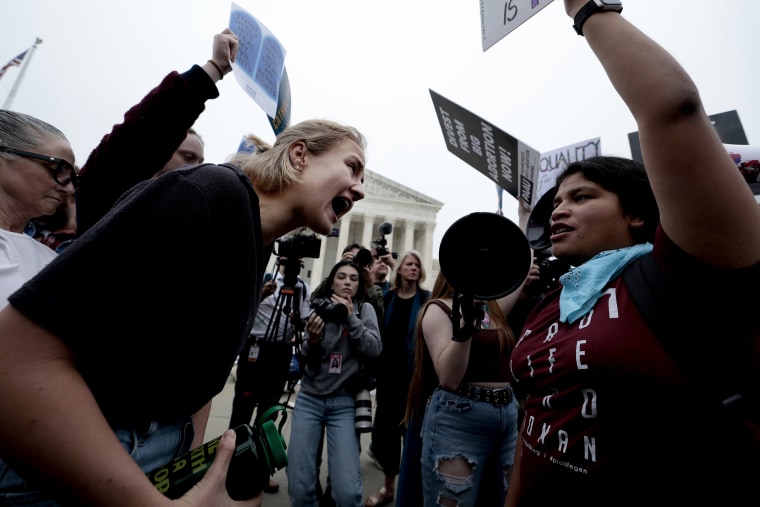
[[717, 220], [449, 357], [224, 52], [200, 422], [49, 407], [51, 425]]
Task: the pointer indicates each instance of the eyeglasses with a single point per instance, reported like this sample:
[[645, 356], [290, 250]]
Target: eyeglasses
[[63, 173]]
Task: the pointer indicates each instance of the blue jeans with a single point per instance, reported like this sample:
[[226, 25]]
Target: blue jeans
[[310, 415], [484, 435], [151, 447]]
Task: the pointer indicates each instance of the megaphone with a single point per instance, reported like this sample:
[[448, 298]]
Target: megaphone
[[485, 256], [538, 231]]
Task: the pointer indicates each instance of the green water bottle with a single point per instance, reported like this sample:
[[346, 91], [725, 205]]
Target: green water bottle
[[259, 452]]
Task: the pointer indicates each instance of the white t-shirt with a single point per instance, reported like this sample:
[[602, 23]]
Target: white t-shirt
[[21, 257]]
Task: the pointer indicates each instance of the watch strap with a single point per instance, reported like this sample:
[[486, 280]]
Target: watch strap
[[588, 10]]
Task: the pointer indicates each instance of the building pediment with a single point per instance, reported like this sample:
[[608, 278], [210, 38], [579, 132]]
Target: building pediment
[[377, 186]]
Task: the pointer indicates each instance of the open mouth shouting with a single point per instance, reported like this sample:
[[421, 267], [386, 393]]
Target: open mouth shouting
[[341, 206]]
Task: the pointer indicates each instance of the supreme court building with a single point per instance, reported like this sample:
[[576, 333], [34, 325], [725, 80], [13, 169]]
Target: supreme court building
[[411, 213]]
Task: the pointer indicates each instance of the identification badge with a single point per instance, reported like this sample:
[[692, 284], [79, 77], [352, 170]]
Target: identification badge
[[335, 363], [253, 353]]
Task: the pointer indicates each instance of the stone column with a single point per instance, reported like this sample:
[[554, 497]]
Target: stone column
[[369, 231], [318, 266], [345, 224], [408, 235], [427, 249]]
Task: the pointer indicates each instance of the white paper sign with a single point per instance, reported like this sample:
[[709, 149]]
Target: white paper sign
[[499, 17], [260, 59], [551, 163]]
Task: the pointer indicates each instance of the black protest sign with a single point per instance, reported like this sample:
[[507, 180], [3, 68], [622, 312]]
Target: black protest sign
[[502, 158]]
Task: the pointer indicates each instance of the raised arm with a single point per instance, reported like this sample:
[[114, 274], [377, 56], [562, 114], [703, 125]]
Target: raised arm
[[705, 205], [52, 426], [151, 132]]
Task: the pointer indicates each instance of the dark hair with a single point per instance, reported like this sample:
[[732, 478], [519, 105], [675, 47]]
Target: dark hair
[[196, 134], [326, 287], [628, 179], [352, 246]]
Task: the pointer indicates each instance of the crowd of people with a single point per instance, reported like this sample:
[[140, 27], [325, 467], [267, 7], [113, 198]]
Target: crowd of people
[[585, 394]]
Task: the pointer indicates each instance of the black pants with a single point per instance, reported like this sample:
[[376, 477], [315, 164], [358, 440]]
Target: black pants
[[388, 428], [260, 383]]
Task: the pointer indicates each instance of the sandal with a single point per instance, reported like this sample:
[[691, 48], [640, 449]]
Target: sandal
[[382, 497]]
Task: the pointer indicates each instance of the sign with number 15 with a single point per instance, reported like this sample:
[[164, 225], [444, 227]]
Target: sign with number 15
[[499, 17]]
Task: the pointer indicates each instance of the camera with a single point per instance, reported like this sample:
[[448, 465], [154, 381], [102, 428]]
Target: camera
[[380, 244], [299, 245], [550, 269], [329, 311], [363, 258]]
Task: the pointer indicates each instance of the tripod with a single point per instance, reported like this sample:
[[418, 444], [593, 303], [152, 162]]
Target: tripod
[[283, 321], [288, 300], [264, 365]]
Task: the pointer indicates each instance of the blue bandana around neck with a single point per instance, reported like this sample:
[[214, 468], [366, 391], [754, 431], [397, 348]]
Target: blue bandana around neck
[[582, 286]]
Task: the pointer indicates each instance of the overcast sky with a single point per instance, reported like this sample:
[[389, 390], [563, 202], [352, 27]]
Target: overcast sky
[[371, 64]]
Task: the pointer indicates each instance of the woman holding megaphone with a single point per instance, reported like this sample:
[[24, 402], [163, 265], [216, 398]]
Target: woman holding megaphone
[[622, 400], [461, 393]]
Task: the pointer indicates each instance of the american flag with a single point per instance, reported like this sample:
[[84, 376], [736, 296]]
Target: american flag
[[15, 61]]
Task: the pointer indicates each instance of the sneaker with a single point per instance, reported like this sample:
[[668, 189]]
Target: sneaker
[[371, 456]]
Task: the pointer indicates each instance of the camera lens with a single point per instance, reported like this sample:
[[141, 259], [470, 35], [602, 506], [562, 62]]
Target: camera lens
[[363, 411]]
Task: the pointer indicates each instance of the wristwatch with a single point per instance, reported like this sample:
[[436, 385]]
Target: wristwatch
[[591, 8]]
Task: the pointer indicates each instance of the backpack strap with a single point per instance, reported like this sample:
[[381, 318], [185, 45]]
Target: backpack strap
[[693, 340]]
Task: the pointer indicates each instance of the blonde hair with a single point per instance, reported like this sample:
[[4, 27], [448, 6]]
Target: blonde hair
[[270, 168], [416, 255]]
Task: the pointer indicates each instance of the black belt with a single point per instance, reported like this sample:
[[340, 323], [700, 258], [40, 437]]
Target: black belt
[[497, 397]]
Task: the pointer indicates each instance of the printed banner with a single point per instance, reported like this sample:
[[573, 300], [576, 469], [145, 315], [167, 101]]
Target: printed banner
[[500, 17], [504, 159], [260, 60], [554, 162]]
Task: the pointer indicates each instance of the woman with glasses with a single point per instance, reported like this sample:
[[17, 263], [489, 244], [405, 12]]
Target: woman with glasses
[[37, 176]]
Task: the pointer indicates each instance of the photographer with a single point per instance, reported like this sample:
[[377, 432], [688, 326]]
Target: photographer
[[381, 268], [340, 334], [264, 363]]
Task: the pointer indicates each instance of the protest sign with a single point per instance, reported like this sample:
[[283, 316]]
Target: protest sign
[[554, 162], [499, 17], [504, 159], [260, 60]]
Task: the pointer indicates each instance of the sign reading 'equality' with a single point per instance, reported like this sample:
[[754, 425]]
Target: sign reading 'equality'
[[507, 161]]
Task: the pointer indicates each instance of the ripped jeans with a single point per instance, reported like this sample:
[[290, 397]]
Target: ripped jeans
[[468, 449], [150, 447]]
